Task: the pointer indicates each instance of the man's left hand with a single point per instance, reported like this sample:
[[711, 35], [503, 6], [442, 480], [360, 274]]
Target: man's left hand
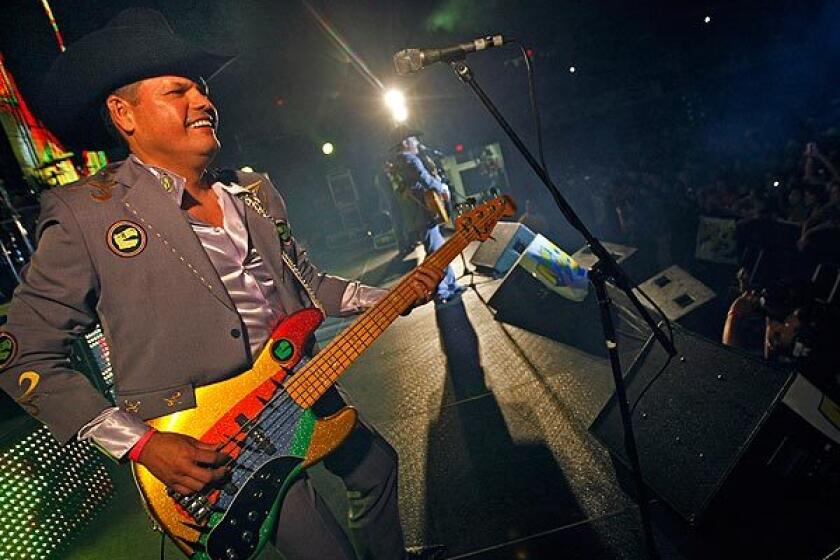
[[424, 282]]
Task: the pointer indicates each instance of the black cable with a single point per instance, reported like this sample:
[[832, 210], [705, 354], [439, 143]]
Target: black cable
[[658, 310], [649, 384], [538, 126], [659, 373], [162, 543], [532, 95]]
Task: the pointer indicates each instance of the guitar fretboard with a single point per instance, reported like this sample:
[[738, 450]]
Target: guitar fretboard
[[313, 380]]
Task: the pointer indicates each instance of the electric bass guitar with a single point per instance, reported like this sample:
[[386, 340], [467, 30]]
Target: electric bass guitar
[[262, 418]]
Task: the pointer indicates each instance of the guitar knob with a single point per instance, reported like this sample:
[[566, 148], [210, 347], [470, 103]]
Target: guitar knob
[[231, 554], [253, 516], [247, 536]]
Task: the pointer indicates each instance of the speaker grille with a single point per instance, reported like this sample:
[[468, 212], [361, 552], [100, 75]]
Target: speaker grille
[[696, 420]]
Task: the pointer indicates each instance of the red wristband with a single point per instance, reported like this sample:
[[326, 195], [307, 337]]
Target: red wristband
[[134, 454]]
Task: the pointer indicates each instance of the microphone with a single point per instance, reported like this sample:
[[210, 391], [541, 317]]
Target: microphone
[[409, 61], [432, 151]]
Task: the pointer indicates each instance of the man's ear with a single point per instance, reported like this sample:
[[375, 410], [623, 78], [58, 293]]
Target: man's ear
[[122, 114]]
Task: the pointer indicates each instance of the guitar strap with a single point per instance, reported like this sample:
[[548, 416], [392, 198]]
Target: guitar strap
[[283, 235]]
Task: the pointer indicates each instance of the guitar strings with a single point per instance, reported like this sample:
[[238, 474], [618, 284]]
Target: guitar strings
[[396, 306], [394, 303], [370, 317], [249, 460]]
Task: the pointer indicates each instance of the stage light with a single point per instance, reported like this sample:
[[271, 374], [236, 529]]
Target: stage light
[[247, 169], [572, 69], [459, 148], [327, 148], [395, 101], [776, 183], [707, 19]]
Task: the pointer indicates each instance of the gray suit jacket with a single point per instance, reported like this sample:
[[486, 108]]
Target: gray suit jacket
[[115, 248]]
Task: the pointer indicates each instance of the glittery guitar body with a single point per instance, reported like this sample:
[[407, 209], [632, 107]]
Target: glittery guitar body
[[263, 420]]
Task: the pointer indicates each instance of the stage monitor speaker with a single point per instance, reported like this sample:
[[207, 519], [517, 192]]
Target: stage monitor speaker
[[587, 259], [528, 299], [631, 259], [504, 246], [685, 299], [525, 302], [716, 420]]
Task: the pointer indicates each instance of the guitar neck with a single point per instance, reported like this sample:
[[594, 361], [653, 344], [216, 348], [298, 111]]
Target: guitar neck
[[320, 373]]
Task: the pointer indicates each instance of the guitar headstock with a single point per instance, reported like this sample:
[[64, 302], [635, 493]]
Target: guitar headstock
[[478, 223]]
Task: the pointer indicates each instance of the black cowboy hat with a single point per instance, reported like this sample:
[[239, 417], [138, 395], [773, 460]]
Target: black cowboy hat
[[401, 132], [136, 44]]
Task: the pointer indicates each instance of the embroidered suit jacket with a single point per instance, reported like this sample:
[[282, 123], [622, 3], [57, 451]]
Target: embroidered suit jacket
[[115, 249]]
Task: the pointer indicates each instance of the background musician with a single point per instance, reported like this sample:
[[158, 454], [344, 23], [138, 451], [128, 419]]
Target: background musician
[[415, 179]]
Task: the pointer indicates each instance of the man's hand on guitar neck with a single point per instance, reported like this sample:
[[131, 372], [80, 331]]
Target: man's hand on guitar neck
[[182, 463], [424, 282]]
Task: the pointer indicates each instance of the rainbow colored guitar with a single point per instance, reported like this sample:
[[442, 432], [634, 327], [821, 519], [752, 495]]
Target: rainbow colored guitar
[[263, 420]]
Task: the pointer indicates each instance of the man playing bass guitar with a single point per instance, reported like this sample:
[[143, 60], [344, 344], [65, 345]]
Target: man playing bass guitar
[[187, 270]]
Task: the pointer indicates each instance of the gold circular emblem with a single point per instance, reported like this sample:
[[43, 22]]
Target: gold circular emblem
[[8, 349], [126, 239]]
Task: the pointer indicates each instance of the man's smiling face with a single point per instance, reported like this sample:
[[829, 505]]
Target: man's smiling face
[[173, 118]]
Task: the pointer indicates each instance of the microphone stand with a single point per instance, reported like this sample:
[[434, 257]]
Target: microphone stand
[[605, 269]]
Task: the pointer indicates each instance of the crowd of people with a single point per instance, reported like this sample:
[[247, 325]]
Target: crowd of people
[[783, 206]]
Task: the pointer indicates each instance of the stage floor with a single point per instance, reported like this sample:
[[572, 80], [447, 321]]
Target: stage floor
[[491, 424]]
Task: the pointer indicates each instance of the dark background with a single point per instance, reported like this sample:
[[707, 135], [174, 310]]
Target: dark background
[[652, 81]]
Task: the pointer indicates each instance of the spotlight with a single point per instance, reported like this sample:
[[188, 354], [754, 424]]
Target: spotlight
[[707, 19], [776, 183], [572, 69], [328, 148], [395, 101]]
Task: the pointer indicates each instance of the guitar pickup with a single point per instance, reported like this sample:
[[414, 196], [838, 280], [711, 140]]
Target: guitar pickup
[[257, 435], [195, 504]]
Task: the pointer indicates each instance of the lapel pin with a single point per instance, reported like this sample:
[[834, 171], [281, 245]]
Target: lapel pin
[[126, 239]]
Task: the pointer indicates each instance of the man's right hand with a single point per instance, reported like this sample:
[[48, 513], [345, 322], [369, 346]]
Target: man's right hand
[[444, 191], [182, 463]]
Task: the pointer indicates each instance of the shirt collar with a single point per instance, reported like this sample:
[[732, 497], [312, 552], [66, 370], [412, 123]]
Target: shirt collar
[[173, 184]]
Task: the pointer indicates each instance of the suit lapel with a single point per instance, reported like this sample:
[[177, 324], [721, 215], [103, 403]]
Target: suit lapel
[[147, 201]]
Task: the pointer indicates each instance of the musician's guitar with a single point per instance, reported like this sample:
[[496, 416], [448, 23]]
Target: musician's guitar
[[436, 204], [263, 420], [435, 201]]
